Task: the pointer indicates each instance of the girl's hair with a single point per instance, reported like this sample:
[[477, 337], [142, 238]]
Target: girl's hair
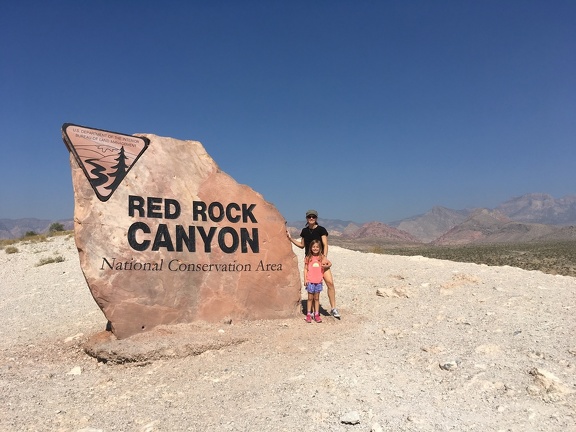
[[313, 242]]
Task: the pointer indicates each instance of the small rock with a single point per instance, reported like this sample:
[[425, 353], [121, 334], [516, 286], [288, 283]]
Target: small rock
[[401, 292], [351, 418], [75, 337], [449, 365], [397, 292], [549, 382], [75, 371], [432, 349]]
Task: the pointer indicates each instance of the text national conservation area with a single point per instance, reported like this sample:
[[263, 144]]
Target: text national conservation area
[[143, 236]]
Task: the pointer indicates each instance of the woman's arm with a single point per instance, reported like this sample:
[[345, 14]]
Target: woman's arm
[[325, 245], [326, 264], [299, 242]]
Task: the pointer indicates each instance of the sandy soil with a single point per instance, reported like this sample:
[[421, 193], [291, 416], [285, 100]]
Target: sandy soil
[[423, 345]]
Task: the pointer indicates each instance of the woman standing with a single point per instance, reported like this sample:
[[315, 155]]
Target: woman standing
[[313, 231]]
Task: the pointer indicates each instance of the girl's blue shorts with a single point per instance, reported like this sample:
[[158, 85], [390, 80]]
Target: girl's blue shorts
[[313, 288]]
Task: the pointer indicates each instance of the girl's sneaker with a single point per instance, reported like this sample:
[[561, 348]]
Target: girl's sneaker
[[317, 318], [308, 318]]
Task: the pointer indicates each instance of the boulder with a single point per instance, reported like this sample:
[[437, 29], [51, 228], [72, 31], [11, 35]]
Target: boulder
[[165, 237]]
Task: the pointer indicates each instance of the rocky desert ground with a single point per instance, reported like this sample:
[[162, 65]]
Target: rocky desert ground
[[423, 345]]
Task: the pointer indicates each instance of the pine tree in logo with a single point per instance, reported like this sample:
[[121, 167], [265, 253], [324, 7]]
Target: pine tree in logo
[[120, 170]]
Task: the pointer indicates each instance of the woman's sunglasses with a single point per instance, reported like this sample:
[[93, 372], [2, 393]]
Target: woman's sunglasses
[[311, 217]]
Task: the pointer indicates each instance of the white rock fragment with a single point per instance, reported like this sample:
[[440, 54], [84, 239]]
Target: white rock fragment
[[75, 371], [351, 418], [383, 292], [396, 292], [449, 365], [75, 337], [549, 382]]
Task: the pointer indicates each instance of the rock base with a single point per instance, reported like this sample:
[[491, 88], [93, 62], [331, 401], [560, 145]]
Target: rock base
[[163, 342]]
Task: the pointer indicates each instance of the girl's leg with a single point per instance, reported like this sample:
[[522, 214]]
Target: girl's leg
[[317, 308], [310, 303]]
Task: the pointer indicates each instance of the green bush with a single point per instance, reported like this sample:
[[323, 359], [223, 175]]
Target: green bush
[[55, 227], [377, 250]]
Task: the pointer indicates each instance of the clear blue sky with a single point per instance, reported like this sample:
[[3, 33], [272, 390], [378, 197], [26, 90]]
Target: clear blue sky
[[364, 110]]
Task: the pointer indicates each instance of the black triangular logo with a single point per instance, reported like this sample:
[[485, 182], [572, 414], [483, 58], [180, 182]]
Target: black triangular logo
[[105, 157]]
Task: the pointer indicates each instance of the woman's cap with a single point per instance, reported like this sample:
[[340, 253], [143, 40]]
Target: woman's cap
[[311, 213]]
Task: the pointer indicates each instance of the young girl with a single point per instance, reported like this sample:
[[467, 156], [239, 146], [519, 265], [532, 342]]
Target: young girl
[[313, 274]]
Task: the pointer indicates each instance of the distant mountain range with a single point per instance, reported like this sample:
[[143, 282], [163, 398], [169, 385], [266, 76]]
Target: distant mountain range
[[531, 217], [16, 228], [492, 226]]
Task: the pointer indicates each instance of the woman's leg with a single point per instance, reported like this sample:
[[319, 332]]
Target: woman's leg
[[330, 288]]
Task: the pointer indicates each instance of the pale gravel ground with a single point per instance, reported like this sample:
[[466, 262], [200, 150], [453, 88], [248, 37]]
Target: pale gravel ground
[[381, 362]]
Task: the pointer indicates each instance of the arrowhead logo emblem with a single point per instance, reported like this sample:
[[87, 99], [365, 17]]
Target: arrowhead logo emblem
[[105, 157]]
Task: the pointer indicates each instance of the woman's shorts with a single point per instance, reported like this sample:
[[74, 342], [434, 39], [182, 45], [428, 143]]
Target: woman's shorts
[[313, 288]]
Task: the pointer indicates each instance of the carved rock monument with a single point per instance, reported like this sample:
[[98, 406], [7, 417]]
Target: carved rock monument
[[165, 237]]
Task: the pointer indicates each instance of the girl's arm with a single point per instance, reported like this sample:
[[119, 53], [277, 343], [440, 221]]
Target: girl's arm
[[305, 271]]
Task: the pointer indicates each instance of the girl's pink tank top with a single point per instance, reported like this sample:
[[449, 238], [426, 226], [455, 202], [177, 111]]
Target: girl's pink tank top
[[315, 270]]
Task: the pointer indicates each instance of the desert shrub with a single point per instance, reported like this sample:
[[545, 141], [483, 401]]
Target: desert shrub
[[69, 233], [55, 227], [7, 242], [11, 249], [30, 234], [50, 260], [38, 238], [377, 250]]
